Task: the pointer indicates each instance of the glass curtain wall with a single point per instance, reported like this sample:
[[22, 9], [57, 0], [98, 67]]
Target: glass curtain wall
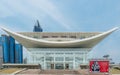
[[59, 58]]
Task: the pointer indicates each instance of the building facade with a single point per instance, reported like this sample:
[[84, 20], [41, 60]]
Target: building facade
[[59, 58], [59, 50]]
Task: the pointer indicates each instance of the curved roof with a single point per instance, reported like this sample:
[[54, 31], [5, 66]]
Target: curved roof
[[29, 42]]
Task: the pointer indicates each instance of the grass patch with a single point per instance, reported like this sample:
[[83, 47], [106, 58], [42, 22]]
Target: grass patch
[[8, 70], [114, 71]]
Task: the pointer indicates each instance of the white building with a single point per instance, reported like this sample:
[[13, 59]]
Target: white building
[[59, 50]]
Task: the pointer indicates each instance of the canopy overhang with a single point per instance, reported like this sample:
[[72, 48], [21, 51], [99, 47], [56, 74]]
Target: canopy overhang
[[30, 42]]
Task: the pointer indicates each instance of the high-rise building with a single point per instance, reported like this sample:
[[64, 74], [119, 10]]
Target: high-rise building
[[37, 27], [6, 50], [12, 49], [18, 53], [1, 53], [0, 40], [9, 48]]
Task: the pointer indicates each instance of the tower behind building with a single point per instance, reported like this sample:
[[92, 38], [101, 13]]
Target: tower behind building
[[37, 27]]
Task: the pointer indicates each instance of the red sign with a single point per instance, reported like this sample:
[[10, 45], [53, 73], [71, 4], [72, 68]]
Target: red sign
[[99, 66]]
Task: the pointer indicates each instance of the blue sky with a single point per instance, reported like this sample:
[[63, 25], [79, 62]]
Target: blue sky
[[66, 16]]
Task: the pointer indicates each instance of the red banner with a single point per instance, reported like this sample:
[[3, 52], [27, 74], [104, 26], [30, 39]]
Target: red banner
[[99, 66]]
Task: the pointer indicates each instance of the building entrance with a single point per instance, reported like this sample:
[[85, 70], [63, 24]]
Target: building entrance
[[66, 66], [59, 58], [59, 66], [52, 66]]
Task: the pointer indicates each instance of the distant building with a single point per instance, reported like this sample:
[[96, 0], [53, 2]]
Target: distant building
[[1, 53], [37, 27], [1, 47], [11, 52]]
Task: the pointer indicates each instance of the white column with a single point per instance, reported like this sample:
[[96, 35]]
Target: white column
[[64, 61], [84, 57], [54, 61], [33, 58], [74, 62], [44, 63]]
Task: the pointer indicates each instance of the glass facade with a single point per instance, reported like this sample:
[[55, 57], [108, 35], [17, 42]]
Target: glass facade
[[59, 58]]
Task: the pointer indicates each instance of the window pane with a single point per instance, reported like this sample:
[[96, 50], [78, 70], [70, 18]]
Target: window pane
[[68, 58], [49, 59], [59, 59]]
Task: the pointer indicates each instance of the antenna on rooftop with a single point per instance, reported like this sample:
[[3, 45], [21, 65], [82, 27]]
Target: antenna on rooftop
[[38, 24]]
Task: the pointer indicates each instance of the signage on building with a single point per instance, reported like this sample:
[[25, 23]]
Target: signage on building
[[99, 66]]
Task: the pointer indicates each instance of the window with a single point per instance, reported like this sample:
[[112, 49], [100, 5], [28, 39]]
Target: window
[[82, 37], [49, 53], [44, 36], [79, 53], [59, 59], [78, 59], [39, 59], [49, 59], [68, 58], [69, 53], [64, 36], [48, 66], [72, 36], [59, 53], [35, 36], [54, 36]]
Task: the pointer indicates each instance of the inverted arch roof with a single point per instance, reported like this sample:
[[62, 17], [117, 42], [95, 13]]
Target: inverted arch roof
[[30, 42]]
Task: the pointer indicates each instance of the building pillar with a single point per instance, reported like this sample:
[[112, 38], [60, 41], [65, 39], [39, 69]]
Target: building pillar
[[74, 62], [32, 59], [84, 57], [64, 63], [44, 63], [54, 61]]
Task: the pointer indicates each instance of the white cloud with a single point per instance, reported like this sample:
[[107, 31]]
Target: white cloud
[[49, 8], [17, 7], [34, 9]]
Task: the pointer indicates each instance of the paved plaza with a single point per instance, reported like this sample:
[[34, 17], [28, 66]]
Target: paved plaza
[[58, 72]]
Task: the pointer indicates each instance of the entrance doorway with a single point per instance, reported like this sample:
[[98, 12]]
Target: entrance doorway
[[59, 66], [52, 66], [66, 66]]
